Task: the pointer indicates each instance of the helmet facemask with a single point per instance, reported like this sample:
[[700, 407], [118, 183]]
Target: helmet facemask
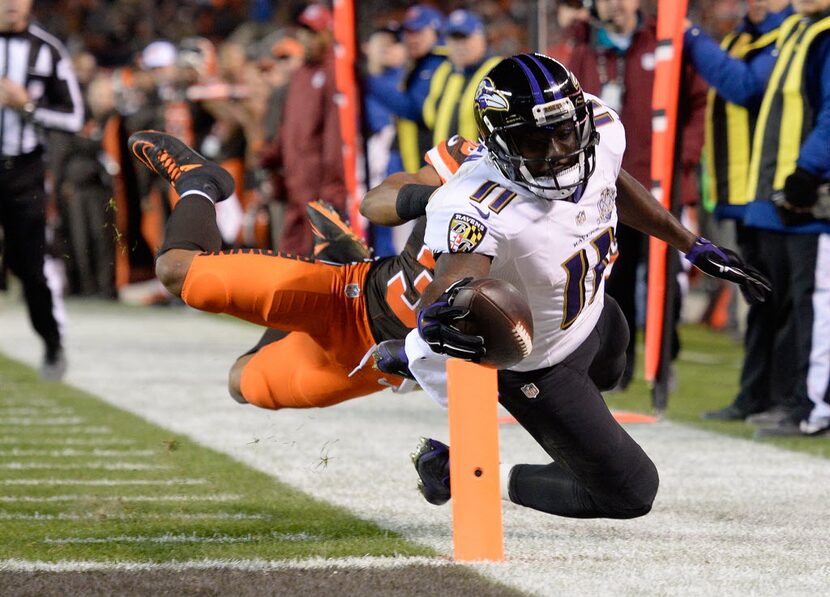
[[537, 125], [528, 162]]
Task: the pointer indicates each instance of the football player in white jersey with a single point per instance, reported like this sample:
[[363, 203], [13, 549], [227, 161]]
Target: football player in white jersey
[[537, 205]]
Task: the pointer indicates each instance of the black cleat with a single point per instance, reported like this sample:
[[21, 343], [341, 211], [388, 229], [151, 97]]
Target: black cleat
[[432, 461], [54, 365], [334, 240], [180, 165], [727, 413]]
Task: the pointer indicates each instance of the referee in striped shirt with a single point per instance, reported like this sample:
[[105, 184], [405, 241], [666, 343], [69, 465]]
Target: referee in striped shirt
[[38, 91]]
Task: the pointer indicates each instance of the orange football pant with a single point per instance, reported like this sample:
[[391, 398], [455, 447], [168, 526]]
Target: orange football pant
[[322, 305]]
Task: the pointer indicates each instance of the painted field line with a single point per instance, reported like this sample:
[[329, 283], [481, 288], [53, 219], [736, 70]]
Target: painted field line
[[41, 421], [136, 516], [22, 411], [32, 402], [12, 429], [103, 482], [182, 538], [70, 441], [103, 466], [227, 497], [351, 563], [72, 452], [703, 358]]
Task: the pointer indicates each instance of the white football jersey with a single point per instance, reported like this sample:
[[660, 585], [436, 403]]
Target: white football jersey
[[554, 252]]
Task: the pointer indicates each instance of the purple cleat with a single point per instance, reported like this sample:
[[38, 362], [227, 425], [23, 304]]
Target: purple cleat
[[390, 357], [432, 461]]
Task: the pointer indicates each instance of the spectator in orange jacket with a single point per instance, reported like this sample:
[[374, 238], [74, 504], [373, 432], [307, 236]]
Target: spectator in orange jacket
[[306, 155]]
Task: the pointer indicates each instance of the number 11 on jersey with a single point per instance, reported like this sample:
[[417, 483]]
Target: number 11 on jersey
[[577, 267]]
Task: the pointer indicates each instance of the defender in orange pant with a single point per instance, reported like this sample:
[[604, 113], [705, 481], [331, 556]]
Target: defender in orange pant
[[331, 314]]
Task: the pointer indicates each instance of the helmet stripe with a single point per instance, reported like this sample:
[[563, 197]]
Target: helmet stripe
[[534, 84], [548, 75]]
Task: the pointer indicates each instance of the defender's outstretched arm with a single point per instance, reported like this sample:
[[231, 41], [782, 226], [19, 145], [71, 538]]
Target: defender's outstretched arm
[[389, 204]]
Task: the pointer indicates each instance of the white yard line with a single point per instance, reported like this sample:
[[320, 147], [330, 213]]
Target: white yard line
[[39, 516], [104, 466], [92, 430], [732, 517], [361, 563], [33, 402], [71, 441], [71, 453], [702, 358], [40, 421], [21, 411], [181, 538], [221, 497], [103, 482]]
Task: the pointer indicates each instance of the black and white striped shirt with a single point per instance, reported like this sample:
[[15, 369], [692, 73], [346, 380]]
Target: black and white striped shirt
[[40, 63]]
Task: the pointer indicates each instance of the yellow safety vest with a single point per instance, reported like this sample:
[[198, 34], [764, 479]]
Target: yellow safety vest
[[448, 109], [729, 128], [786, 117], [415, 139]]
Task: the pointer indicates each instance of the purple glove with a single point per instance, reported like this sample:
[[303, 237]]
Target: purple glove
[[435, 325], [723, 263]]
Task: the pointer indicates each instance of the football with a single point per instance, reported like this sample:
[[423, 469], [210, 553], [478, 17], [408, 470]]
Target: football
[[499, 313]]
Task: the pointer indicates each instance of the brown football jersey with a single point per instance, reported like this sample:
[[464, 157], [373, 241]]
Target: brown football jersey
[[394, 284]]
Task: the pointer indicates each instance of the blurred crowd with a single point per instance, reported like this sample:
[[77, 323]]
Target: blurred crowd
[[217, 75]]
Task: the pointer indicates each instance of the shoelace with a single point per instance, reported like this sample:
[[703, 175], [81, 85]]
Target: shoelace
[[169, 164], [407, 385]]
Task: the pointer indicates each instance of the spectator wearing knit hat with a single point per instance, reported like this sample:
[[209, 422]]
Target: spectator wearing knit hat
[[422, 29], [448, 109]]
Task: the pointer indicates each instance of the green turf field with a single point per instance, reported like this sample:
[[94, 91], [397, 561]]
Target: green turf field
[[81, 480]]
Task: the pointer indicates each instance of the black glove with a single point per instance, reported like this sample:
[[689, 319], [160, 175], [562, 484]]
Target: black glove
[[435, 325], [794, 204], [723, 263], [800, 188]]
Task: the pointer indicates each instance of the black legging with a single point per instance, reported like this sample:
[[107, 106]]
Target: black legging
[[23, 218], [598, 469]]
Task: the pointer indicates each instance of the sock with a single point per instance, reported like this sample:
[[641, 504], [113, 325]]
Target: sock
[[504, 477], [199, 183], [192, 226]]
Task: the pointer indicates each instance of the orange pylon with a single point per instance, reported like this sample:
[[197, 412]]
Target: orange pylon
[[474, 462]]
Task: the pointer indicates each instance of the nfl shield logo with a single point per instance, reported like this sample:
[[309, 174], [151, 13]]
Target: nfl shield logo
[[530, 390]]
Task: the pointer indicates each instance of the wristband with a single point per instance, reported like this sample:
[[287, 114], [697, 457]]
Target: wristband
[[412, 200]]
